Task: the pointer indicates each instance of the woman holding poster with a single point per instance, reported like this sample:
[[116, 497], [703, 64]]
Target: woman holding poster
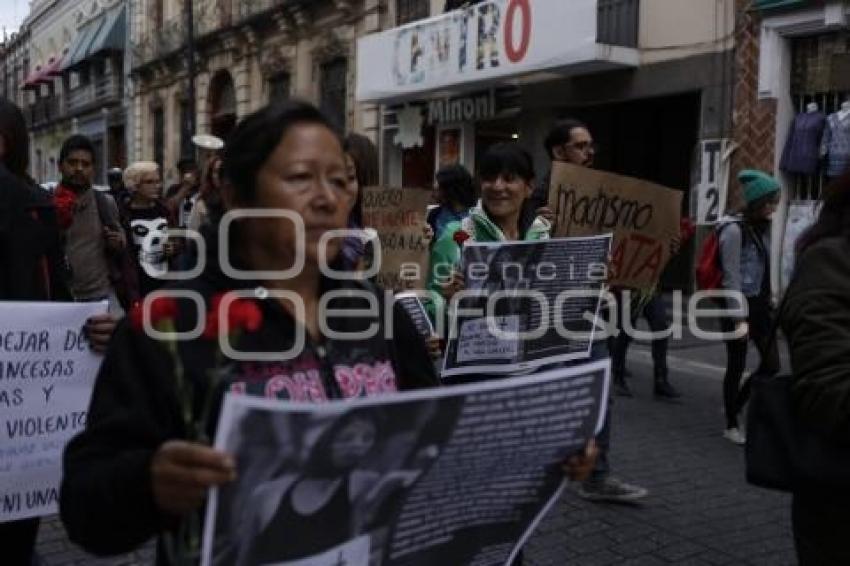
[[507, 181], [143, 466]]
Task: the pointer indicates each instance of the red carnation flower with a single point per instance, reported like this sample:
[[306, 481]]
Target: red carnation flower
[[460, 237], [242, 314], [161, 309]]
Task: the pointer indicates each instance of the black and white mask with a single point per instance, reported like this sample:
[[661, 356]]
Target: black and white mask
[[150, 236]]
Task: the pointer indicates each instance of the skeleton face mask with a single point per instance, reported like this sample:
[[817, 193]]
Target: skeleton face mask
[[150, 236]]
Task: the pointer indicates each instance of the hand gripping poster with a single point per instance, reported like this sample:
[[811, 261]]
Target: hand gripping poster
[[454, 475]]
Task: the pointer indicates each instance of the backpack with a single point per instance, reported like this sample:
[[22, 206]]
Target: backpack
[[709, 270]]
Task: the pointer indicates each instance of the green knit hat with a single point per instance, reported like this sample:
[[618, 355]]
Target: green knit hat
[[757, 184]]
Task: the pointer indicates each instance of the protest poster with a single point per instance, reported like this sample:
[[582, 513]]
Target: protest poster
[[46, 376], [490, 332], [644, 218], [416, 310], [453, 475], [398, 216]]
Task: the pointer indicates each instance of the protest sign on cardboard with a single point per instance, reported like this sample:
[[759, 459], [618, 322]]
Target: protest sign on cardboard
[[643, 216], [398, 216], [47, 372]]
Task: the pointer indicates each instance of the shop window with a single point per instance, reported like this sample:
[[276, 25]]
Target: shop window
[[334, 76], [411, 10], [279, 87]]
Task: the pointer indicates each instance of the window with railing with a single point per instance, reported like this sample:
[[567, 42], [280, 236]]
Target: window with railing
[[334, 90], [412, 10]]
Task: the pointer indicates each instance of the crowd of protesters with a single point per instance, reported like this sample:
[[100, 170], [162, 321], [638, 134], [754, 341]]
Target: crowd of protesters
[[138, 453]]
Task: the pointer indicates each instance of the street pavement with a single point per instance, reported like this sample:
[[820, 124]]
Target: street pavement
[[700, 511]]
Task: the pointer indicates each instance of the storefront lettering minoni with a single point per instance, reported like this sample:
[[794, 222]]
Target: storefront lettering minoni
[[466, 109]]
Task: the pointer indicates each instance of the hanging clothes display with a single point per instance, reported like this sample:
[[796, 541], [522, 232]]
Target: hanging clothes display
[[836, 143], [803, 146]]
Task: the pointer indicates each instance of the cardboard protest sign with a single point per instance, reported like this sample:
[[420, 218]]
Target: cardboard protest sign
[[644, 218], [447, 475], [46, 376], [398, 216]]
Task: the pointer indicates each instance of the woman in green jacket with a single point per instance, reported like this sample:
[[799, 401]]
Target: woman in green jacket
[[507, 181]]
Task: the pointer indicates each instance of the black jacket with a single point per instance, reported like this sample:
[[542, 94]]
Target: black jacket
[[816, 320], [106, 499], [31, 259]]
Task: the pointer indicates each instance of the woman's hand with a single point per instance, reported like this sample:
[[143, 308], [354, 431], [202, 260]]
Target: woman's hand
[[182, 472], [578, 468], [455, 284], [546, 213], [99, 330], [742, 329]]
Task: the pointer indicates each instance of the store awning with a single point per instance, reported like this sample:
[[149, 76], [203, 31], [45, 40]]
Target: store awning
[[107, 32], [36, 78], [112, 34], [77, 53], [54, 66]]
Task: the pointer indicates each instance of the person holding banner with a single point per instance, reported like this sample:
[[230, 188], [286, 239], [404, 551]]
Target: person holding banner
[[31, 269], [142, 467]]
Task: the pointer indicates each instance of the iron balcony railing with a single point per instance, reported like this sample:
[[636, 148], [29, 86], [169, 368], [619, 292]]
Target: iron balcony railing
[[103, 90]]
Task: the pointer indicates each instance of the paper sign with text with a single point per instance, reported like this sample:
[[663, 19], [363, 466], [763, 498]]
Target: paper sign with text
[[644, 218], [47, 372], [398, 216]]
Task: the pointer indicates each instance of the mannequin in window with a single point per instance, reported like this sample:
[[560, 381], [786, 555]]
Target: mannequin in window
[[836, 141], [802, 148]]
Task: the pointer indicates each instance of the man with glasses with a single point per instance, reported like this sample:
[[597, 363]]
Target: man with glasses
[[570, 141]]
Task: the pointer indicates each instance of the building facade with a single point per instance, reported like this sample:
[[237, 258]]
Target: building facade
[[793, 61], [64, 68], [247, 53], [653, 79]]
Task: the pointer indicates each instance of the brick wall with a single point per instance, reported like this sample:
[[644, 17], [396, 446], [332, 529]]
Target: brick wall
[[753, 120]]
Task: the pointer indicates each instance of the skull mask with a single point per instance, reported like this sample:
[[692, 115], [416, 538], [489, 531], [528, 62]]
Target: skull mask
[[150, 236]]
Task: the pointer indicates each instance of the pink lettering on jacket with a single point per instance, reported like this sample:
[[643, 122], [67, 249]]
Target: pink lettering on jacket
[[300, 386], [365, 380]]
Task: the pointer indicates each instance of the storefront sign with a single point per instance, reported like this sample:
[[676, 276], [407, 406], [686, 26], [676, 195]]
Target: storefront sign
[[488, 41], [465, 109]]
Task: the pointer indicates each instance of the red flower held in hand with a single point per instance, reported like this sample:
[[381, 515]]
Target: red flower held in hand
[[460, 237], [161, 309], [242, 315]]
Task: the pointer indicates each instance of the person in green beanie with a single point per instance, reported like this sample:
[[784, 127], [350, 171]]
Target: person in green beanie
[[745, 260]]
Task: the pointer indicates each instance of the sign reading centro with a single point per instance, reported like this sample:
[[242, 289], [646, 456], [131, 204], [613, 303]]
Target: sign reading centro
[[644, 218], [484, 42]]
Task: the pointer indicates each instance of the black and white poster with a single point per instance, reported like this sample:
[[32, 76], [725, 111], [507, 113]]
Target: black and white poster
[[456, 475], [530, 304]]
